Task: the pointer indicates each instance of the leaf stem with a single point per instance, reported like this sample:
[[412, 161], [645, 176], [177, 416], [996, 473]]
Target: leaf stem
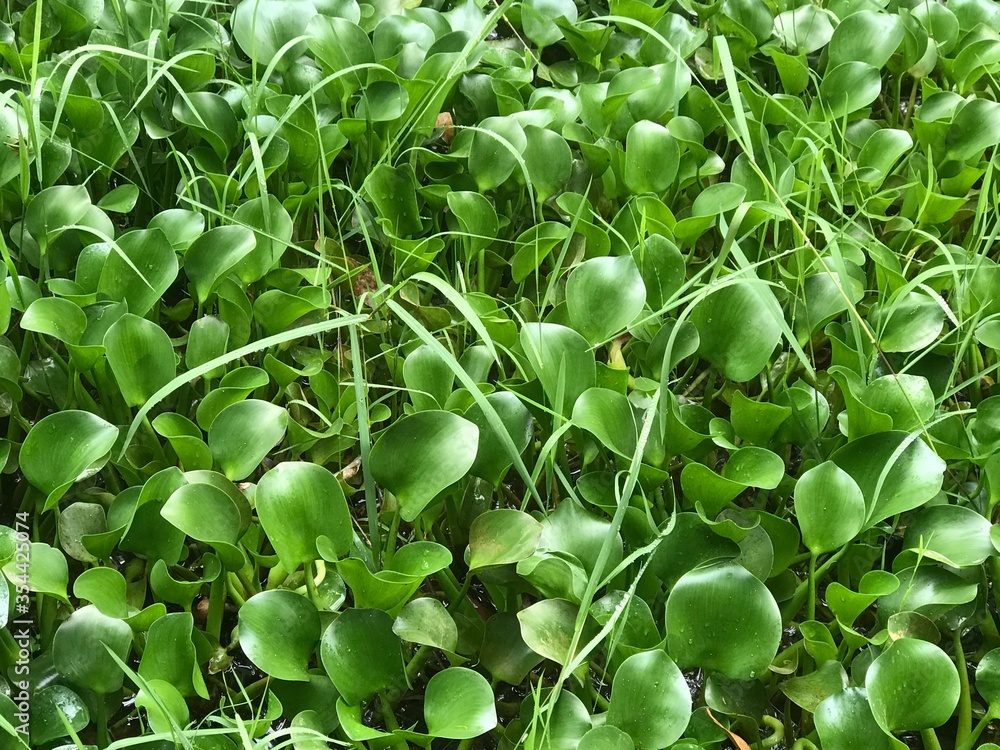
[[216, 607], [964, 728], [811, 608], [311, 582], [978, 730], [101, 721], [930, 738]]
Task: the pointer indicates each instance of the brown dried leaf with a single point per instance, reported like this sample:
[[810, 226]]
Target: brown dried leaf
[[741, 744]]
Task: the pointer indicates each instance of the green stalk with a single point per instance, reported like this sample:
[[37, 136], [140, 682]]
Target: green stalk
[[216, 607], [311, 582], [965, 696], [930, 738], [101, 721], [420, 657], [973, 737], [811, 609]]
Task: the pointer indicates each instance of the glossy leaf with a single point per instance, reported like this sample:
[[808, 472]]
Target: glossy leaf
[[279, 631], [701, 631], [421, 456], [297, 503], [913, 685]]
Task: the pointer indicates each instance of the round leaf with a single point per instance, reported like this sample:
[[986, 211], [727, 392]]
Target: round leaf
[[650, 700], [502, 537], [651, 158], [362, 655], [79, 653], [420, 456], [829, 506], [912, 686], [141, 357], [738, 327], [297, 503], [427, 622], [844, 721], [66, 447], [243, 434], [459, 704], [701, 629], [279, 631], [604, 295]]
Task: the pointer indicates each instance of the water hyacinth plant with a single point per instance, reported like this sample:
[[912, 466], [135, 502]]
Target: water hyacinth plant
[[513, 374]]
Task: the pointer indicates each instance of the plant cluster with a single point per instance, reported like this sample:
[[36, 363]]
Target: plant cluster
[[466, 374]]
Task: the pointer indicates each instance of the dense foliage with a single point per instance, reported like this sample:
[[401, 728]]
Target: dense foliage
[[532, 374]]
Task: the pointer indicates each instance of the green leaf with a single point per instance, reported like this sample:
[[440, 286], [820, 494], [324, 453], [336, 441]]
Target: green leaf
[[504, 652], [746, 467], [701, 631], [849, 87], [950, 534], [496, 151], [48, 707], [562, 361], [547, 627], [604, 295], [272, 228], [105, 588], [141, 356], [209, 116], [459, 704], [809, 690], [427, 622], [47, 571], [78, 650], [208, 514], [170, 655], [142, 273], [829, 506], [502, 537], [428, 377], [988, 678], [279, 631], [547, 157], [912, 686], [54, 209], [243, 434], [805, 29], [422, 455], [120, 200], [297, 503], [610, 417], [55, 317], [262, 27], [650, 700], [651, 158], [493, 461], [844, 721], [215, 254], [912, 322], [867, 37], [64, 448], [896, 472], [362, 655], [608, 738], [738, 327]]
